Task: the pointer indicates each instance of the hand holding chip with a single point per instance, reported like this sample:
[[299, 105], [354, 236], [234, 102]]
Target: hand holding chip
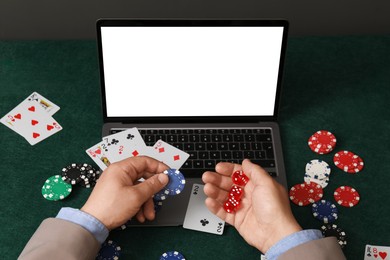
[[264, 215], [115, 199]]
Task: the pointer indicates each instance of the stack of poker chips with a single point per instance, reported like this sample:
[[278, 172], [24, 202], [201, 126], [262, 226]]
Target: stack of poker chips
[[58, 187]]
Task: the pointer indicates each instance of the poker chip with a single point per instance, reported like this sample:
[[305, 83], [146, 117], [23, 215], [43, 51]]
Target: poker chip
[[55, 188], [89, 176], [348, 161], [161, 195], [322, 142], [172, 255], [332, 230], [109, 251], [325, 211], [157, 205], [317, 169], [71, 173], [322, 182], [176, 182], [305, 193], [346, 196]]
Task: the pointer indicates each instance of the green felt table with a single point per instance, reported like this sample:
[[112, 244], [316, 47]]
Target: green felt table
[[341, 84]]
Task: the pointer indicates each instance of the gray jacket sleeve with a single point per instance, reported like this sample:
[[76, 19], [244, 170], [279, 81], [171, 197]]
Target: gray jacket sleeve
[[320, 249], [60, 239]]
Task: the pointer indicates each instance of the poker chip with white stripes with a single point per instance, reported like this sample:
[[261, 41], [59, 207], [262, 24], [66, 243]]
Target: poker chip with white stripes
[[332, 230], [176, 181], [322, 142], [325, 211], [348, 161], [346, 196], [55, 188], [172, 255], [72, 173], [109, 251]]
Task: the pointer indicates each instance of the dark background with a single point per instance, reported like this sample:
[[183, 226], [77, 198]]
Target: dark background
[[75, 19]]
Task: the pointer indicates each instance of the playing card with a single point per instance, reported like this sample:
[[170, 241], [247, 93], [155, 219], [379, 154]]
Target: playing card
[[32, 122], [198, 217], [124, 144], [46, 104], [98, 154], [169, 154], [377, 252]]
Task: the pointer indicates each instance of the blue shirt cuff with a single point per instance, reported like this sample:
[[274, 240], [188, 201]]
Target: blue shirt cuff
[[87, 221], [291, 241]]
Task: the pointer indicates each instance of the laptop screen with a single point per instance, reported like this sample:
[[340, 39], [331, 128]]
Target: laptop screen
[[190, 71]]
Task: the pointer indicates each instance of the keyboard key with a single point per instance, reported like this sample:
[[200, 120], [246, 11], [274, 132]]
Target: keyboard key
[[189, 147], [245, 146], [193, 155], [200, 146], [249, 138], [260, 154], [227, 138], [226, 155], [249, 154], [209, 164], [222, 146], [216, 138], [215, 155], [237, 155], [211, 146], [171, 138], [203, 155], [234, 146], [198, 164], [182, 138], [265, 163], [205, 138], [263, 138]]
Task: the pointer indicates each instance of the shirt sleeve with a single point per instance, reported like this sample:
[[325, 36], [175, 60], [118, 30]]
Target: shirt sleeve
[[291, 241], [87, 221]]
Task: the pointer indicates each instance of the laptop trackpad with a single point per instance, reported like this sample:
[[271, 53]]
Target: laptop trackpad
[[173, 209]]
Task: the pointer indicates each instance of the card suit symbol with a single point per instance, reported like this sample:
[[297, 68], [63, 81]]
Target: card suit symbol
[[375, 255], [204, 222], [195, 193], [18, 116], [130, 136], [34, 122], [383, 255], [161, 150], [176, 157], [114, 141], [135, 153], [49, 127], [220, 224], [36, 135], [32, 109], [98, 151]]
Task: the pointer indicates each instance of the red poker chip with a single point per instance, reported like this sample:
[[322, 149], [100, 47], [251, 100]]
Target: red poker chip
[[357, 167], [322, 142], [346, 196], [303, 194], [346, 161], [317, 193]]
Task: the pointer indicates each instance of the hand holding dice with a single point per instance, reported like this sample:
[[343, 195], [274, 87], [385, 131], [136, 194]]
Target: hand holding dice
[[248, 198]]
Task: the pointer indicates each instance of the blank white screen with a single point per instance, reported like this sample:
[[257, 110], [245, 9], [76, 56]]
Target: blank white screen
[[191, 71]]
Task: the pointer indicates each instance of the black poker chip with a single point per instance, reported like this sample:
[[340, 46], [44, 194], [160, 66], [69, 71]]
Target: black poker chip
[[89, 176], [71, 173], [332, 230]]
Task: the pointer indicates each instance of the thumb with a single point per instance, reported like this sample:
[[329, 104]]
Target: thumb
[[151, 186], [255, 173]]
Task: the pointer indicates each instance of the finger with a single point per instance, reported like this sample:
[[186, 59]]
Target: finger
[[226, 168], [215, 193], [221, 181], [149, 187], [216, 208], [136, 167], [149, 209], [255, 173], [140, 216]]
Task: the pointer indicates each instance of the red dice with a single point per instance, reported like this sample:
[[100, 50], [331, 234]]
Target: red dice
[[231, 205], [236, 192], [239, 178]]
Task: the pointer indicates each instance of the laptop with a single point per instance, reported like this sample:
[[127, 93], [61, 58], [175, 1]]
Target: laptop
[[209, 87]]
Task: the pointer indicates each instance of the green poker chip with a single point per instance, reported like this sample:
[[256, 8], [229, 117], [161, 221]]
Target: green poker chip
[[55, 188]]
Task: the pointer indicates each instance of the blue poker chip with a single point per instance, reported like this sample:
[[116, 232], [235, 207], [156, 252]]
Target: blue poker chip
[[172, 255], [157, 205], [176, 181], [161, 195], [325, 211], [109, 251]]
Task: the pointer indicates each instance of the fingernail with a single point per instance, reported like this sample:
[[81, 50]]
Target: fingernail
[[162, 178]]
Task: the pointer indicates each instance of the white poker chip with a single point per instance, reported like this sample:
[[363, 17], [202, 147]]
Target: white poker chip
[[317, 169], [322, 182]]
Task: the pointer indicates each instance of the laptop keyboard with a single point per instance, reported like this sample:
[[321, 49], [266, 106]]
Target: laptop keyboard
[[207, 147]]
